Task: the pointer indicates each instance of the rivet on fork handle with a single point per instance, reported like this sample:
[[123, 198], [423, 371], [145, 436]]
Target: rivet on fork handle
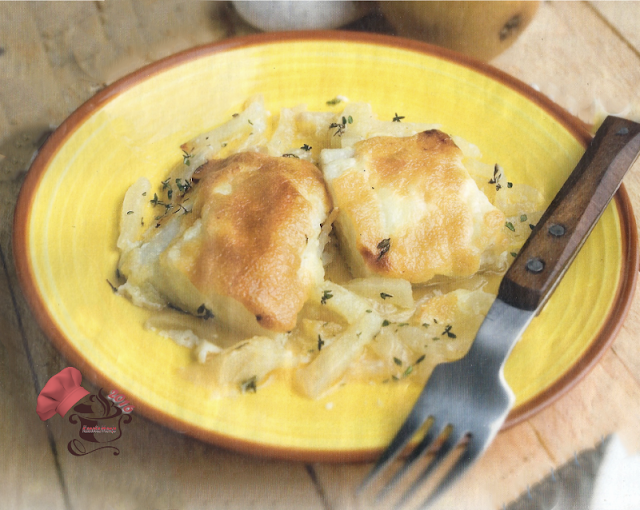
[[567, 222]]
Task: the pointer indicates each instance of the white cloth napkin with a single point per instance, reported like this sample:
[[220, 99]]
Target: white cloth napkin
[[617, 485], [603, 478]]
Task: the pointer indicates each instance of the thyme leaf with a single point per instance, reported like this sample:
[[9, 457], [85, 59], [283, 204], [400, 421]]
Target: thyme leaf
[[249, 385], [384, 247], [326, 295], [205, 312], [447, 331], [497, 175], [183, 187]]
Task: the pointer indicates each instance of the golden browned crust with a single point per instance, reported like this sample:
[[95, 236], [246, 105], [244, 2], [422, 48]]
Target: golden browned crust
[[258, 213], [411, 209]]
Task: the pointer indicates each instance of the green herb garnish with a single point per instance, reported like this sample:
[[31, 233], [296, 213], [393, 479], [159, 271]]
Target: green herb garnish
[[183, 187], [249, 385], [384, 247], [447, 331], [205, 312], [497, 175]]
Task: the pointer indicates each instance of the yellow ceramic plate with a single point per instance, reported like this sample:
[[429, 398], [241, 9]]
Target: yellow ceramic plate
[[66, 227]]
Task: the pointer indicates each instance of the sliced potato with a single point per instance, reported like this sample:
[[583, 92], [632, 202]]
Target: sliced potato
[[250, 123], [332, 361], [518, 199], [390, 349], [341, 301], [519, 228], [449, 324], [394, 291], [132, 214], [250, 360], [361, 123], [172, 320], [286, 131]]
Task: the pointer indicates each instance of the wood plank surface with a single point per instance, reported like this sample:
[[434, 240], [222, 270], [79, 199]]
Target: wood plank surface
[[621, 18], [54, 56], [570, 54], [29, 471]]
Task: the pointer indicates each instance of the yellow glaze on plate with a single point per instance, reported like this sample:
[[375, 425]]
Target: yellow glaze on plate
[[136, 130]]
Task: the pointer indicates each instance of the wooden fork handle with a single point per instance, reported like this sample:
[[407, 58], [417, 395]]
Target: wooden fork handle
[[566, 224]]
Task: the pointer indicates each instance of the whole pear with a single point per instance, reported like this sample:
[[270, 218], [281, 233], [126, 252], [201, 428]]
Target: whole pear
[[478, 29]]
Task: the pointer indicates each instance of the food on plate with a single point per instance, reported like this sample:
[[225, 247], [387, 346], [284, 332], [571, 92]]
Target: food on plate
[[236, 254], [409, 209]]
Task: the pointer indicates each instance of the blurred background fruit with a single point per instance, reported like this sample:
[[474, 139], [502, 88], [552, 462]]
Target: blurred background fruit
[[479, 29], [307, 15]]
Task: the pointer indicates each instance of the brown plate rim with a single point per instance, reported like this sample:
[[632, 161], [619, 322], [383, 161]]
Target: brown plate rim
[[575, 126]]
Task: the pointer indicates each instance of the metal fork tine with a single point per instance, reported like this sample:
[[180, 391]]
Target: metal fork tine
[[415, 454], [444, 450], [432, 434], [468, 457], [402, 438]]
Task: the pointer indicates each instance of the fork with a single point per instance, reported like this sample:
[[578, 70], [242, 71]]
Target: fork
[[469, 398]]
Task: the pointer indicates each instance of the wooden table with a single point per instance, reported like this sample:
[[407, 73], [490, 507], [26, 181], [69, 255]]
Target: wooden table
[[53, 56]]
